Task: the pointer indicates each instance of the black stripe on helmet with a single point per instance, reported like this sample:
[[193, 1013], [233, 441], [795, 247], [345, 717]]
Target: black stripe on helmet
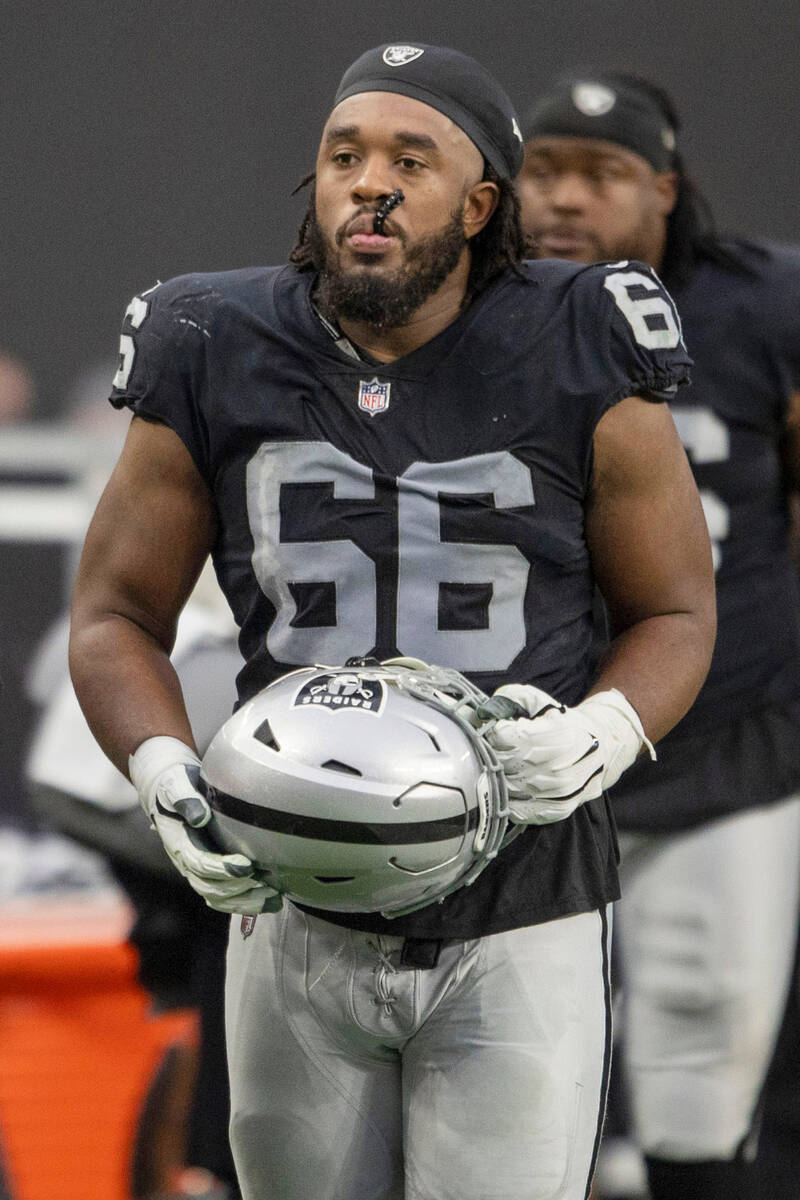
[[369, 833]]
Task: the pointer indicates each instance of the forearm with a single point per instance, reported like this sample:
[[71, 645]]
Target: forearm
[[145, 547], [659, 665], [126, 686]]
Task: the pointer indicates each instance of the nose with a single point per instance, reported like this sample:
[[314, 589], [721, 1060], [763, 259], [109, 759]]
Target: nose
[[373, 182], [569, 192]]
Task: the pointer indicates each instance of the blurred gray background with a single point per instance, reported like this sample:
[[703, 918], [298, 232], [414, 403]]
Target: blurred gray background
[[139, 141], [144, 140]]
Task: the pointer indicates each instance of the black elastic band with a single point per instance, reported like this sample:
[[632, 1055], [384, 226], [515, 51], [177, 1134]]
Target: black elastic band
[[422, 953]]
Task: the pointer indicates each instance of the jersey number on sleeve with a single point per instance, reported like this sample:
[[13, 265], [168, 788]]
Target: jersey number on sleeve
[[652, 317], [426, 559], [136, 313]]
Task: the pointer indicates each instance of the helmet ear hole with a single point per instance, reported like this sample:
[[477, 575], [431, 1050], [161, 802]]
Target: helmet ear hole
[[265, 735], [333, 764]]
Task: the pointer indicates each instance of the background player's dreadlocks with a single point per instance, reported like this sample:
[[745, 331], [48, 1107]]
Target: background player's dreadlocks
[[500, 244]]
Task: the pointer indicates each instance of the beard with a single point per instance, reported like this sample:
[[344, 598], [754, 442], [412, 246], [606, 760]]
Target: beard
[[636, 243], [384, 300], [592, 249]]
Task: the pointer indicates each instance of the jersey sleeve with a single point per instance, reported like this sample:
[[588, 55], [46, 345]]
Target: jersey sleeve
[[161, 373], [646, 352], [783, 292]]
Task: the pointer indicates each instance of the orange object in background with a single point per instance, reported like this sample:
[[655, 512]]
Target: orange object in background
[[78, 1050]]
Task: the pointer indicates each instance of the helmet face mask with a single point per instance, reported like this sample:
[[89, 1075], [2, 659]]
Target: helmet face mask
[[364, 788]]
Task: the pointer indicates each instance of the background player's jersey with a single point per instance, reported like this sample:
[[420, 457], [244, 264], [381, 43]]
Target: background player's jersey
[[738, 746], [433, 506]]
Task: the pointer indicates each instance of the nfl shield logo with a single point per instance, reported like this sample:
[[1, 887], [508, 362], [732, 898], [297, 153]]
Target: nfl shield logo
[[247, 926], [373, 397]]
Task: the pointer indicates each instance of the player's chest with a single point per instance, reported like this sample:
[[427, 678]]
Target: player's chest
[[388, 419]]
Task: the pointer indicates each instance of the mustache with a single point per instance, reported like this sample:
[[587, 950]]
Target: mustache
[[534, 239], [367, 210]]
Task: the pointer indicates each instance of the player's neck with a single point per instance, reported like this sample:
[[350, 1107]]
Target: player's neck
[[656, 248], [437, 312]]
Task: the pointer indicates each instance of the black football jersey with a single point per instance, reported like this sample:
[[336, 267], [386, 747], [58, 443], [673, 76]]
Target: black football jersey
[[738, 746], [432, 507]]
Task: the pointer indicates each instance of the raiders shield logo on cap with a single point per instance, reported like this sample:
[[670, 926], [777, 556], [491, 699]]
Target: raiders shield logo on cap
[[593, 99], [398, 56]]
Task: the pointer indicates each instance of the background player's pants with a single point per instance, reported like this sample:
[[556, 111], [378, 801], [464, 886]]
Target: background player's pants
[[705, 933], [356, 1078]]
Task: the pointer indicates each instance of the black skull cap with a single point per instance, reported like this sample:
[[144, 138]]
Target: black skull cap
[[451, 82], [609, 107]]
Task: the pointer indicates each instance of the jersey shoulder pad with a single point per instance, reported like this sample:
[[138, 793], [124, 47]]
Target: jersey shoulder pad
[[646, 351], [165, 327], [162, 360], [154, 332]]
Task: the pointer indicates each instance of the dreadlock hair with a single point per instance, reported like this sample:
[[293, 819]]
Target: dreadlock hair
[[498, 246], [300, 255], [692, 236]]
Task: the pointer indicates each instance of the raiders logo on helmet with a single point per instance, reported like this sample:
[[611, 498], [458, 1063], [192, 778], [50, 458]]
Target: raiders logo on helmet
[[338, 691]]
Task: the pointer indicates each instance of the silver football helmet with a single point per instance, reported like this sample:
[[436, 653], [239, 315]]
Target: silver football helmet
[[363, 788]]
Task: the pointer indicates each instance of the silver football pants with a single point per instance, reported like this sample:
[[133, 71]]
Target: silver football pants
[[356, 1078], [706, 932]]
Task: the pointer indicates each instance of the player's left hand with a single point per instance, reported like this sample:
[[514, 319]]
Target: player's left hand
[[556, 758]]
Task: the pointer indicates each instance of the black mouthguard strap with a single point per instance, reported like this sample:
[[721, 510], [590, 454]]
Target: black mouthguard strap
[[389, 203]]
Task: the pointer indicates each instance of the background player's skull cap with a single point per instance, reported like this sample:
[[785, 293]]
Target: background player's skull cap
[[451, 82], [607, 107]]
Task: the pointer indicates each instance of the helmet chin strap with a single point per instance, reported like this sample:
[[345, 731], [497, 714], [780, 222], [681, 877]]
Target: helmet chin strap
[[390, 203], [413, 664]]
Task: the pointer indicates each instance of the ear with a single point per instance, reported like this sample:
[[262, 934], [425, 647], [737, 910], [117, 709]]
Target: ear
[[479, 203], [667, 190]]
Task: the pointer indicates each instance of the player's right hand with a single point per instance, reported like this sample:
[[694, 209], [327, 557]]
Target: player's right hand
[[164, 772]]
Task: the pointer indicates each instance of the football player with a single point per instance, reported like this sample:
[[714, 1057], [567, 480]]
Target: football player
[[711, 835], [179, 942], [408, 442]]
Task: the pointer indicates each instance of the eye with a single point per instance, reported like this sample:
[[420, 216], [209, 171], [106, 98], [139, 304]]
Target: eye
[[410, 164], [538, 172], [344, 158], [607, 172]]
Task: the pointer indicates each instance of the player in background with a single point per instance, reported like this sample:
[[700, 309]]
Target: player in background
[[711, 834], [408, 442], [181, 1147]]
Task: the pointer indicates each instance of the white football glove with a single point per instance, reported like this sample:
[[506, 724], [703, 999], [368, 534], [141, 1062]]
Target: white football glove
[[164, 772], [555, 758]]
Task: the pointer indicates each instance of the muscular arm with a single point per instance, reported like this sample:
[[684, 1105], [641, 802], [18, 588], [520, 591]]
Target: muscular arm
[[652, 560], [148, 540]]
